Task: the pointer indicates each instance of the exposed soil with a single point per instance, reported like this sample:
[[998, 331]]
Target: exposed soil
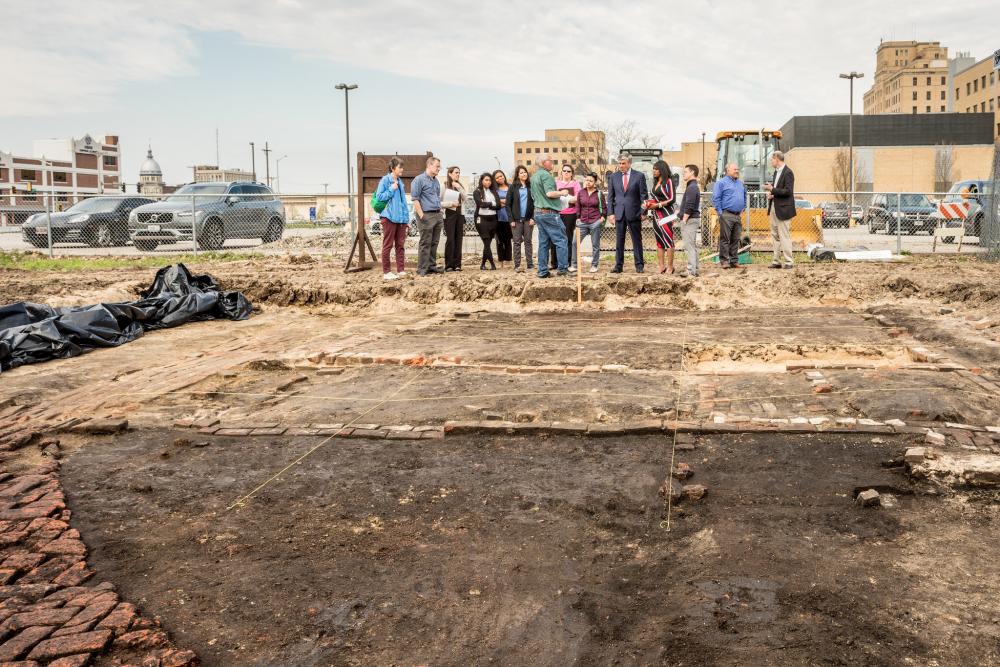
[[541, 551]]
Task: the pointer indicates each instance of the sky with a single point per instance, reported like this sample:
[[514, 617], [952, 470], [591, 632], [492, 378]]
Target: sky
[[459, 79]]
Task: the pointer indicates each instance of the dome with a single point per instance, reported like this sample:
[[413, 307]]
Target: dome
[[150, 167]]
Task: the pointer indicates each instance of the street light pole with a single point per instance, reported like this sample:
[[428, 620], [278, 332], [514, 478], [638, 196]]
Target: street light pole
[[347, 88], [704, 174], [850, 132], [253, 162], [277, 173]]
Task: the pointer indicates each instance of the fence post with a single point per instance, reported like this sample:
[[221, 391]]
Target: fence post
[[194, 227], [899, 226], [745, 231], [48, 217]]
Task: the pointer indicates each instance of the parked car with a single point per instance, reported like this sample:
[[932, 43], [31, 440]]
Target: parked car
[[100, 222], [803, 203], [910, 212], [976, 194], [836, 214], [857, 212], [213, 212]]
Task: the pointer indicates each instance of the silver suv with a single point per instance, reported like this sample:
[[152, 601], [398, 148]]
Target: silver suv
[[214, 211]]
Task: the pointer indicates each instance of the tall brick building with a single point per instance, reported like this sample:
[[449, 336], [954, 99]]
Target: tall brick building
[[66, 169], [585, 150]]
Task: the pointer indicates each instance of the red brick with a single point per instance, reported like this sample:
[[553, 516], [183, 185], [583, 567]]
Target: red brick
[[57, 647], [35, 510], [65, 546], [176, 658], [142, 639], [10, 538], [16, 647], [29, 592], [119, 620], [74, 575], [47, 524], [823, 389], [52, 617], [77, 629], [233, 431], [49, 570], [78, 660], [267, 431], [377, 434], [97, 608]]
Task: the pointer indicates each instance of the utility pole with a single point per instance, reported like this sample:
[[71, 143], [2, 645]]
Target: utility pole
[[704, 174], [267, 163], [218, 162], [850, 132], [253, 162], [277, 169]]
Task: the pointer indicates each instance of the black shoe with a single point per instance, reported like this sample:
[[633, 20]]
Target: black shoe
[[435, 269], [482, 267], [774, 265], [562, 273], [493, 267], [547, 275], [640, 269], [616, 270], [422, 274]]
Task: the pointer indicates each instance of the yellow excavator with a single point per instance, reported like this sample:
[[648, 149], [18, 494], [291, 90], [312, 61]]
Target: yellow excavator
[[751, 151]]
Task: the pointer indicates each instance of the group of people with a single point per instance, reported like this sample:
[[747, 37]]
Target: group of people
[[507, 213]]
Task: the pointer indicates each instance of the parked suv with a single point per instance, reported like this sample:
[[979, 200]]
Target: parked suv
[[912, 212], [99, 222], [220, 211]]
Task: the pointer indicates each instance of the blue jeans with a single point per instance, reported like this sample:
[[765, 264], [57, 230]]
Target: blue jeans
[[594, 229], [551, 230]]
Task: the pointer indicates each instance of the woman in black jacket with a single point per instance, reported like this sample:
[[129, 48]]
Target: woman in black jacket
[[487, 205], [521, 211]]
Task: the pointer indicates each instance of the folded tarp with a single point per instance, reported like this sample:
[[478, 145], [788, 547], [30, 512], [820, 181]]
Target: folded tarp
[[30, 332]]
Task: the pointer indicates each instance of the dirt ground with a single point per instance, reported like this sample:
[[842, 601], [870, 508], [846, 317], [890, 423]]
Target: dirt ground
[[547, 549]]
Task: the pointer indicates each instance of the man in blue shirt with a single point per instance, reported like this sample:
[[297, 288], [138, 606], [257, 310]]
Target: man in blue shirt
[[425, 191], [730, 199]]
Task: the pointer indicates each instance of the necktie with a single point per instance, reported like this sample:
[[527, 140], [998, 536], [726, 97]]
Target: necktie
[[624, 182]]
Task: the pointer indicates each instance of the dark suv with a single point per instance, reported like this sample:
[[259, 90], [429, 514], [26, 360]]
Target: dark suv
[[213, 212], [911, 212], [100, 222]]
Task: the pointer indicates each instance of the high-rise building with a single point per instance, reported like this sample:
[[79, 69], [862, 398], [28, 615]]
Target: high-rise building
[[976, 88], [584, 149], [910, 77]]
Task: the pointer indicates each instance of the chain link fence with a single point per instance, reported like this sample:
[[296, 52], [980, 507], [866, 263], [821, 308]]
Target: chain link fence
[[229, 217]]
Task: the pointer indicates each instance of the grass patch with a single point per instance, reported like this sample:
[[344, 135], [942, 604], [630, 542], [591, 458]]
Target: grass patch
[[32, 261]]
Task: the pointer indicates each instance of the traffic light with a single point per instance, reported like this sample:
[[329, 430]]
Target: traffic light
[[123, 187]]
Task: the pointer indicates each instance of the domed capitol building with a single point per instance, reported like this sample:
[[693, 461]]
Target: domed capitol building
[[151, 176]]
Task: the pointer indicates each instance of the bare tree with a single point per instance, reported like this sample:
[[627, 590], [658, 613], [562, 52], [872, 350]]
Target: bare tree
[[944, 165], [619, 137], [841, 173]]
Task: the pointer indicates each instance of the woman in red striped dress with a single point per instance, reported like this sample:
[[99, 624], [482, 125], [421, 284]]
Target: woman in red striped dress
[[661, 206]]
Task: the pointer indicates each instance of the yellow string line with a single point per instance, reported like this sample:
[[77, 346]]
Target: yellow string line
[[677, 418], [239, 502]]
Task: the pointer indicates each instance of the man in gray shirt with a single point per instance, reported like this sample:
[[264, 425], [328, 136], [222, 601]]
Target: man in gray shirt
[[425, 191]]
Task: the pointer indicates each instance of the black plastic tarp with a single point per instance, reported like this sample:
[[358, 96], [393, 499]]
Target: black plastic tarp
[[30, 332]]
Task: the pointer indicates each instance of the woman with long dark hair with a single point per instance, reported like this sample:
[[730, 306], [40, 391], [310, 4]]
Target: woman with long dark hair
[[487, 204], [504, 232], [521, 211], [661, 207], [454, 221]]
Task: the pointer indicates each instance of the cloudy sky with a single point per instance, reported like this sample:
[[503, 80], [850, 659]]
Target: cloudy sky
[[461, 79]]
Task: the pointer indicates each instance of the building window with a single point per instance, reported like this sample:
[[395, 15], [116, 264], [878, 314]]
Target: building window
[[111, 161], [914, 109], [520, 150], [928, 81], [975, 85], [29, 175], [984, 82], [928, 109], [538, 150], [991, 104], [943, 82], [59, 177], [928, 94], [914, 81], [956, 94], [942, 108], [914, 95], [942, 94], [968, 88]]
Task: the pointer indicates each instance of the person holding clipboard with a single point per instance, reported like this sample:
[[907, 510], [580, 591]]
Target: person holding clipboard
[[661, 207]]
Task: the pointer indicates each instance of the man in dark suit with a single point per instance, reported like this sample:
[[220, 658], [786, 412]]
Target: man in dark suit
[[627, 191], [781, 210]]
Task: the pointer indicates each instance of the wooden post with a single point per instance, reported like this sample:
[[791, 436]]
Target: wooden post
[[579, 269]]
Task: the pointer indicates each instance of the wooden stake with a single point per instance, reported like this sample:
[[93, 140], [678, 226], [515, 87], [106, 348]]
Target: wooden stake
[[579, 270]]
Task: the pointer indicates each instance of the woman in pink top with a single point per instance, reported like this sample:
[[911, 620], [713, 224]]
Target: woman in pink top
[[571, 188]]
